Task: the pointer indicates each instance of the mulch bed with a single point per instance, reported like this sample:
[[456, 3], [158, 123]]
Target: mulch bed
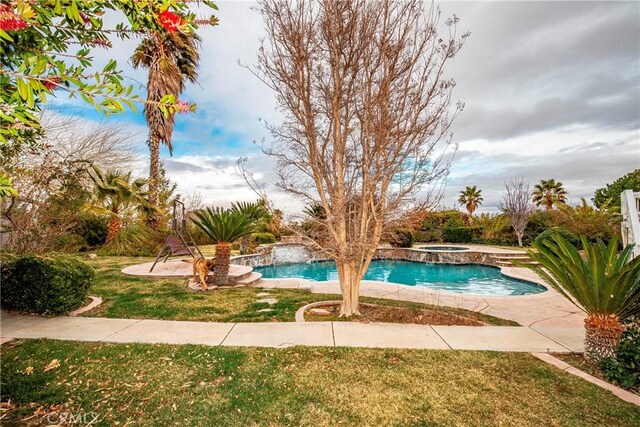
[[390, 314]]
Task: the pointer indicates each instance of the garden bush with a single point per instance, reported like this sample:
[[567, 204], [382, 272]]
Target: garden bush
[[44, 284], [135, 240], [263, 238], [401, 238], [624, 369], [570, 237], [94, 229], [461, 234], [428, 236]]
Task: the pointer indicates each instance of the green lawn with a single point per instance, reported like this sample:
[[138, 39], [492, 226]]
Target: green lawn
[[210, 386], [143, 298]]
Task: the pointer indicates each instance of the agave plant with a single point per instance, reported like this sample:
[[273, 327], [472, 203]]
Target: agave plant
[[601, 282], [224, 226]]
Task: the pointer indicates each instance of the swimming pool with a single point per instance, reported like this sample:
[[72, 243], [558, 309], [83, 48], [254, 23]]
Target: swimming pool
[[465, 279]]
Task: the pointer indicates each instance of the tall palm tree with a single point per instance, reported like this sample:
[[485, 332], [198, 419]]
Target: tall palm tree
[[549, 193], [471, 198], [172, 58], [602, 283], [115, 192], [224, 226]]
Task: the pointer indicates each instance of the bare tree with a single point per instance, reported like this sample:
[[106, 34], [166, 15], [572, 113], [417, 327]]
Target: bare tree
[[516, 204], [366, 115], [53, 182]]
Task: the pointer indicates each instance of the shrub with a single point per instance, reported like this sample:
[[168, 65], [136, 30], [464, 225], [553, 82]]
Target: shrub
[[263, 238], [401, 238], [624, 368], [69, 243], [94, 229], [135, 240], [44, 285], [460, 234], [568, 236], [428, 236]]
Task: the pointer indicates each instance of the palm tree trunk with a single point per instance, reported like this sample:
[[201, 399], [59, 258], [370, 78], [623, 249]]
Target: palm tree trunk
[[154, 178], [602, 336], [114, 227], [223, 259]]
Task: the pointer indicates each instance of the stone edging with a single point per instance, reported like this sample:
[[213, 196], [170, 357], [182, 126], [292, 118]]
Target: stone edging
[[95, 301], [625, 395], [301, 310]]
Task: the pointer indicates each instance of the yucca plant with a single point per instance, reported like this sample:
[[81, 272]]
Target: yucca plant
[[603, 283], [224, 226]]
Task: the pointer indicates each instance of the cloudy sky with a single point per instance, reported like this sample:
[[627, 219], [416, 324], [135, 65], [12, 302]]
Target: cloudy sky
[[552, 90]]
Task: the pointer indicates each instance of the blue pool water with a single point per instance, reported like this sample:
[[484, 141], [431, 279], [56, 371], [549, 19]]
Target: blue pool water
[[466, 279]]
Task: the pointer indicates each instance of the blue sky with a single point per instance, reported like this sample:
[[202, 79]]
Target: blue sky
[[551, 91]]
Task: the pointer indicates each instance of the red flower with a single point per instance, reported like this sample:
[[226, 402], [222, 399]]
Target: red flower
[[9, 21], [169, 20], [51, 83]]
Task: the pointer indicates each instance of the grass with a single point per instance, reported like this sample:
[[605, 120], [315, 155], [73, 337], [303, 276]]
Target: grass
[[132, 297], [202, 386]]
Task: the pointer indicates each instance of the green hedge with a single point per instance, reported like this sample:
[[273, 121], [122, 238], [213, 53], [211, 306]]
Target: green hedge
[[263, 238], [401, 238], [44, 285], [422, 236], [460, 234]]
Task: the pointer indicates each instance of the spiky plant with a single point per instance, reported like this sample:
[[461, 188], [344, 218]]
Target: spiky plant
[[223, 226], [471, 198], [549, 193], [601, 282], [172, 59]]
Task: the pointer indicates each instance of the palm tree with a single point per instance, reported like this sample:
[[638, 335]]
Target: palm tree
[[602, 283], [171, 58], [115, 192], [549, 193], [471, 198], [224, 226]]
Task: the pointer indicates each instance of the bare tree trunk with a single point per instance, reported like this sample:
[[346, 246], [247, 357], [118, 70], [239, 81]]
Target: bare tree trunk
[[154, 178], [519, 235], [348, 275]]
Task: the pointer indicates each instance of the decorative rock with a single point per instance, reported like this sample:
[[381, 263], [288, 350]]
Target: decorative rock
[[269, 301], [263, 294], [320, 311], [92, 256], [265, 310]]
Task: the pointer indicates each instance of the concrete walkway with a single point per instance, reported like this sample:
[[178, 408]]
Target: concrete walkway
[[285, 334]]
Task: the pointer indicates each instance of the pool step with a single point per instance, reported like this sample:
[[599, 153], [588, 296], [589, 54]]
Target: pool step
[[507, 259], [251, 280]]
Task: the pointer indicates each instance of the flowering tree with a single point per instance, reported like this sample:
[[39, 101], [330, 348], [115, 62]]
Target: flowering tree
[[47, 48]]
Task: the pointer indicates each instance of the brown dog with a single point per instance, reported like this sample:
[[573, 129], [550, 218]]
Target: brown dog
[[201, 268]]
